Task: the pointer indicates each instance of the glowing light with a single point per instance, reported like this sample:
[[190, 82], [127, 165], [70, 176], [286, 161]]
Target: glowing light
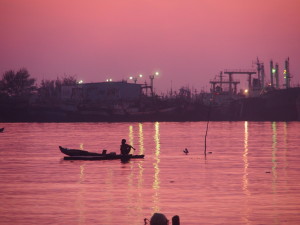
[[80, 82], [130, 78], [246, 91], [141, 75], [284, 71], [156, 73], [273, 70]]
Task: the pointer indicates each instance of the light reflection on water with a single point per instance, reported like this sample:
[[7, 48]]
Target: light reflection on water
[[156, 181], [251, 177]]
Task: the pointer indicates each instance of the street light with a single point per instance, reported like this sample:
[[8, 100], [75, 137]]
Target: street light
[[135, 78], [109, 80], [151, 79]]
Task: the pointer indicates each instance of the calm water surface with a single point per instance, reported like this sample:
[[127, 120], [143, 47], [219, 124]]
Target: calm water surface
[[251, 175]]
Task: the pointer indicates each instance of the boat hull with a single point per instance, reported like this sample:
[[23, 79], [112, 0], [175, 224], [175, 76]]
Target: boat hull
[[107, 157], [76, 154]]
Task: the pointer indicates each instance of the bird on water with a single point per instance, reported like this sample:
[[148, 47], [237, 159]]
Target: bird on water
[[186, 151]]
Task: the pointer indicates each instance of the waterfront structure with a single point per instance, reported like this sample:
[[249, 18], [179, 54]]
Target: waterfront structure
[[102, 92]]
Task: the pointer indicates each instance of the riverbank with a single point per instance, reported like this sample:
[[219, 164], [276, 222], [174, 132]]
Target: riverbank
[[277, 105]]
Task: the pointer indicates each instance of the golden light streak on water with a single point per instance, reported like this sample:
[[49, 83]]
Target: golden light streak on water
[[285, 133], [156, 182], [245, 159], [274, 151], [134, 198], [246, 191], [130, 177], [141, 139], [157, 139], [81, 173], [140, 177], [157, 154], [130, 135], [80, 199], [274, 171], [141, 152], [130, 188], [109, 181]]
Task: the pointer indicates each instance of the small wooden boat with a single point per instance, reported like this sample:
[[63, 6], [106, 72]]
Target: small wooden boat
[[1, 129], [105, 157], [76, 154]]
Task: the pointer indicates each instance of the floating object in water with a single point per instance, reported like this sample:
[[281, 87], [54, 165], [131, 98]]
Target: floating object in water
[[186, 151]]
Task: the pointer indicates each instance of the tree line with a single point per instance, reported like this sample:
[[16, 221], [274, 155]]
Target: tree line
[[21, 84]]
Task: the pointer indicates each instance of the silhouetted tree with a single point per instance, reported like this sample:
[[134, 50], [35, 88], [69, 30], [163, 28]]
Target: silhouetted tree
[[52, 88], [69, 81], [66, 81], [17, 84], [47, 88]]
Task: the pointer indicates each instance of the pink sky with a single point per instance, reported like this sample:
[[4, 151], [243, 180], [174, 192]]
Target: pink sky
[[187, 41]]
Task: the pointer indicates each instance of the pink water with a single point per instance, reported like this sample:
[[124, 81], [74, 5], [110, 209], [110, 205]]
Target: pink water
[[251, 176]]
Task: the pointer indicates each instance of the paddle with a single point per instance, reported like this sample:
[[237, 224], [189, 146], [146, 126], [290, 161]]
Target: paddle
[[132, 148]]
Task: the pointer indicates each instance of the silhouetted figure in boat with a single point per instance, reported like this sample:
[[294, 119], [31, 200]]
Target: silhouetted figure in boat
[[186, 151], [125, 148]]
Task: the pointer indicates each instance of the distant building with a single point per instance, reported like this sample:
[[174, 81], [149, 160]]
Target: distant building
[[102, 92]]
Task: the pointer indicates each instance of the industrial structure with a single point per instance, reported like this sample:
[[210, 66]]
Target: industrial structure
[[256, 85]]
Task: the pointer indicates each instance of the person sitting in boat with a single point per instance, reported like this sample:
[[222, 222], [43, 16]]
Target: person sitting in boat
[[125, 148]]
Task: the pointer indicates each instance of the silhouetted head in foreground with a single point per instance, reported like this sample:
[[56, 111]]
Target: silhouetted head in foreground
[[175, 220], [123, 141], [159, 219]]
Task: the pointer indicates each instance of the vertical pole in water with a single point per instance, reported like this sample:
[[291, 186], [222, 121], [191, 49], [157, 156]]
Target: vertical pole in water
[[208, 118], [205, 138]]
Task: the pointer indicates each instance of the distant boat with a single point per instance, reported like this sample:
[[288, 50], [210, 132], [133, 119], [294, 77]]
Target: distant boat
[[1, 129], [76, 154]]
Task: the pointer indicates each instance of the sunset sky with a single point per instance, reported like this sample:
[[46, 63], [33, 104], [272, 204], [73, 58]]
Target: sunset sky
[[187, 41]]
